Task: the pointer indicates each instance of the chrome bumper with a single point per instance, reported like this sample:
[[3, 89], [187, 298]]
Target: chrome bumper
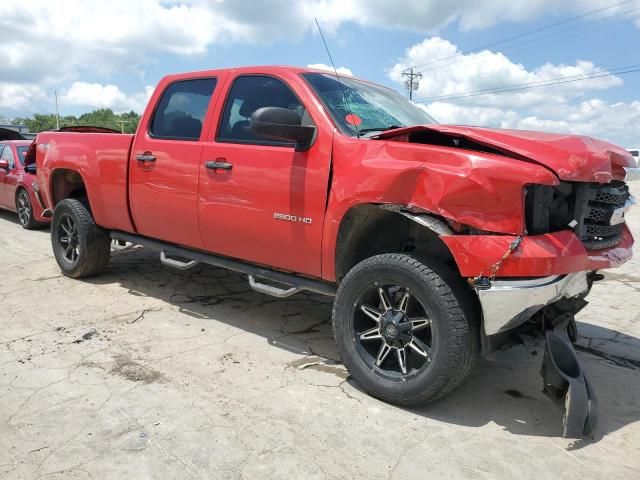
[[632, 174], [509, 303]]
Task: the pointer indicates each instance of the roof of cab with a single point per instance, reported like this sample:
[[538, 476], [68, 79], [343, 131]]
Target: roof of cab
[[265, 69]]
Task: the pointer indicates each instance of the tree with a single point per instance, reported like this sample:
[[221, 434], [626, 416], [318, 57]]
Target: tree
[[103, 117]]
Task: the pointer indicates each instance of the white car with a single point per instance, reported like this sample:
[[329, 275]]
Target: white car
[[634, 152]]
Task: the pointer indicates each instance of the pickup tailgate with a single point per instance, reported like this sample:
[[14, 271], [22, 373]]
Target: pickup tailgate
[[97, 162]]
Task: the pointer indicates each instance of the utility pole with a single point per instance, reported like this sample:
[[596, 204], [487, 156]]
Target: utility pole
[[55, 92], [412, 82], [121, 123]]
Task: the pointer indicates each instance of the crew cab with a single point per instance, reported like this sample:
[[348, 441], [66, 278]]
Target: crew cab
[[437, 241]]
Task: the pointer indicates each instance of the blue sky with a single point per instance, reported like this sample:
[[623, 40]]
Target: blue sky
[[111, 55]]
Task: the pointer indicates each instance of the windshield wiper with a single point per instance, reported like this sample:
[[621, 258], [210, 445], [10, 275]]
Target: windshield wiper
[[379, 129]]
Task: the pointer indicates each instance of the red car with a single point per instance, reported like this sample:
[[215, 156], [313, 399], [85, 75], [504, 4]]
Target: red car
[[17, 185], [438, 242]]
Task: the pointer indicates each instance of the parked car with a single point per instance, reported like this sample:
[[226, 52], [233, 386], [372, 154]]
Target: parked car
[[17, 192], [634, 152], [437, 241]]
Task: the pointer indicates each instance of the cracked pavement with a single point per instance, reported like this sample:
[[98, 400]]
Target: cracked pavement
[[148, 372]]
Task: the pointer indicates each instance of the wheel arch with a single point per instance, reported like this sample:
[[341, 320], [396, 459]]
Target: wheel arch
[[372, 229], [67, 183]]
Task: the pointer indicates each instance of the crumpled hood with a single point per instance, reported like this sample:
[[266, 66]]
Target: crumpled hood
[[570, 157]]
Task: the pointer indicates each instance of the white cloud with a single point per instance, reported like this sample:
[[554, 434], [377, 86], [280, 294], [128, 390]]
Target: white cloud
[[615, 122], [484, 70], [71, 36], [565, 107], [96, 95], [16, 96], [49, 45], [329, 68]]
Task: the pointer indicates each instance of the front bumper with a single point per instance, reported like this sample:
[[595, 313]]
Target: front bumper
[[557, 253], [509, 303]]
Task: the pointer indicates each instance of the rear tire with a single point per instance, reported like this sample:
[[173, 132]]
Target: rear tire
[[394, 302], [25, 210], [81, 247]]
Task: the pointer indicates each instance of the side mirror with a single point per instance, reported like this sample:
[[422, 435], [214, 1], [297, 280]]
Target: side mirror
[[282, 124], [31, 168], [4, 164]]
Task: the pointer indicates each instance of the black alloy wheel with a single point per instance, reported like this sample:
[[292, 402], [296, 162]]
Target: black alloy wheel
[[406, 331], [393, 330], [25, 210], [81, 247], [68, 239]]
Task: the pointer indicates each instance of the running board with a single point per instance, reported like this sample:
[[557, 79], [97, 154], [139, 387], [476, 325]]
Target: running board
[[297, 283], [271, 290], [177, 264], [566, 384]]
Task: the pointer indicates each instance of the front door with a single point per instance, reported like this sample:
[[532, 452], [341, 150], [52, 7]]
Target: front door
[[266, 203], [8, 178], [165, 163]]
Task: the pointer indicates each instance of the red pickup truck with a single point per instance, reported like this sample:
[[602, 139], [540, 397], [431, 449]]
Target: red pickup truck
[[438, 242]]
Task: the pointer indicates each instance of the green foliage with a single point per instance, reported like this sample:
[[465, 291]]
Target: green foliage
[[103, 117]]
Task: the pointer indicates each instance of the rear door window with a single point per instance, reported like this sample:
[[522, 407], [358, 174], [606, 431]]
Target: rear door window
[[181, 110]]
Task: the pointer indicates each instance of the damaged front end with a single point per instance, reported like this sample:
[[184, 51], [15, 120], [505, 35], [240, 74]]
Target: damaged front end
[[548, 306], [527, 219], [566, 384]]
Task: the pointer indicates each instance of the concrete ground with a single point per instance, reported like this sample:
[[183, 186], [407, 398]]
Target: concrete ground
[[147, 372]]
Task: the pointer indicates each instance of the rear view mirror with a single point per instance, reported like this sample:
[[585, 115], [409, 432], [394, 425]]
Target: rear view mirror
[[282, 124], [4, 164]]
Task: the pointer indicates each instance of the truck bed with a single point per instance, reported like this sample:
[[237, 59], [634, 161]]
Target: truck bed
[[102, 161]]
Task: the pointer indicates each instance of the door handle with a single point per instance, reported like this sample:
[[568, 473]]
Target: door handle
[[218, 164], [146, 157]]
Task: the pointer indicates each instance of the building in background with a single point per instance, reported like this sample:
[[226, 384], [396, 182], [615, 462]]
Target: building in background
[[21, 129]]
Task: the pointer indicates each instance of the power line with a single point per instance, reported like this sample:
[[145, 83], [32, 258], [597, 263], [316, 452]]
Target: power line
[[534, 40], [532, 85], [612, 70], [524, 34]]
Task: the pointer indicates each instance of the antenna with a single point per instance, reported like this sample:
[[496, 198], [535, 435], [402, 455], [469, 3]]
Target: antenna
[[335, 70]]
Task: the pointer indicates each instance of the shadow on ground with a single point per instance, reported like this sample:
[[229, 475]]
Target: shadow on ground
[[12, 217], [505, 392]]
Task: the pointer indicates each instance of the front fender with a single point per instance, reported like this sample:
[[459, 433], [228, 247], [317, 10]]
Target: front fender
[[480, 190]]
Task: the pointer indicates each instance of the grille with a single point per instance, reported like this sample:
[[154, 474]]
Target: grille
[[611, 195], [602, 230], [595, 204], [585, 207], [599, 214]]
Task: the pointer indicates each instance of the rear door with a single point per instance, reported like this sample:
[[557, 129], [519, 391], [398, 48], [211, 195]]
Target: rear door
[[166, 160], [267, 205]]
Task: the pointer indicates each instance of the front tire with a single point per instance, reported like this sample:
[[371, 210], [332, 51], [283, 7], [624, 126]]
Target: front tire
[[81, 247], [402, 330]]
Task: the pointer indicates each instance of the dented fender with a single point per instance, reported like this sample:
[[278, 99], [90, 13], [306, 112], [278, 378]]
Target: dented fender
[[481, 190]]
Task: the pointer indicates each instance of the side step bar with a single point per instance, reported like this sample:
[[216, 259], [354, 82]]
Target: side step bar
[[295, 283], [566, 384]]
